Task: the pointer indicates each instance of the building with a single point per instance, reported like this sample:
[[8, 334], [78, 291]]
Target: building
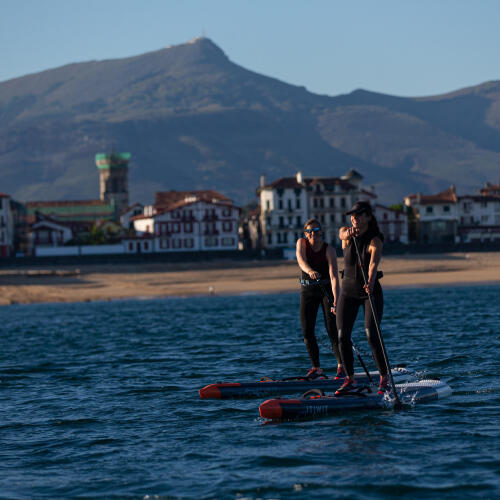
[[113, 180], [189, 221], [6, 226], [48, 232], [287, 203], [393, 224], [80, 216], [479, 217], [128, 213], [448, 218]]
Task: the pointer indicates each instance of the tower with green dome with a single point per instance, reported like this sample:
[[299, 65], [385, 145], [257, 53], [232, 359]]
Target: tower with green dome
[[113, 174]]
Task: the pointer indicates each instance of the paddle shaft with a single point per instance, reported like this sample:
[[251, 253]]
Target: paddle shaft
[[330, 300], [377, 326]]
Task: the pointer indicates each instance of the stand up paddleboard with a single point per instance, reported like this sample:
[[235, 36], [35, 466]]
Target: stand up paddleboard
[[315, 406], [268, 387]]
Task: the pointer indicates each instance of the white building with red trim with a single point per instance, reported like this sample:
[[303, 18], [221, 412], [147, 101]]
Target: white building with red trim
[[393, 224], [287, 203], [190, 221], [446, 217], [48, 232], [6, 227]]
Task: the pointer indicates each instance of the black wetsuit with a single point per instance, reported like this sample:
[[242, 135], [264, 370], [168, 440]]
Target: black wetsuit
[[352, 296], [311, 296]]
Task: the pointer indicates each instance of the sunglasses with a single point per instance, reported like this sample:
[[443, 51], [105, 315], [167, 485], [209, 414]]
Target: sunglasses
[[312, 230]]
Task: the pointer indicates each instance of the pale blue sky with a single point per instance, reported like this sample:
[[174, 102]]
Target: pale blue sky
[[399, 47]]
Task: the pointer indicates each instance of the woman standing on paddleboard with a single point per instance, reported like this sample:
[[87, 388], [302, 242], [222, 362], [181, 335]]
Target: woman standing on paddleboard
[[318, 263], [354, 292]]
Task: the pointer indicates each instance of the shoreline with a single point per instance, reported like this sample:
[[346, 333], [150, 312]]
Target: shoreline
[[225, 278]]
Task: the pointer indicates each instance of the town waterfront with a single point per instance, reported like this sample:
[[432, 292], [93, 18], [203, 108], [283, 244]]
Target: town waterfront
[[100, 400]]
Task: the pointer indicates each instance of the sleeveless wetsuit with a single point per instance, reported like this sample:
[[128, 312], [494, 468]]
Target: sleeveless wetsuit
[[311, 296], [352, 296]]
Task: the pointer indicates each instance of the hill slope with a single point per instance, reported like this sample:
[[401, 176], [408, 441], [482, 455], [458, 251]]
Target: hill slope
[[192, 119]]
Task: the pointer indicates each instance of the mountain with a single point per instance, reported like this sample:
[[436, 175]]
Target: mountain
[[193, 119]]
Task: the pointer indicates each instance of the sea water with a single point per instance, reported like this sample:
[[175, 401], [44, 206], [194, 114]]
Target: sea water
[[100, 400]]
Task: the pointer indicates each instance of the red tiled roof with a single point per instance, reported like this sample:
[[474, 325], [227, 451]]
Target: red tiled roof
[[447, 196], [285, 183], [3, 195], [291, 182], [477, 197], [65, 203], [490, 188], [167, 198]]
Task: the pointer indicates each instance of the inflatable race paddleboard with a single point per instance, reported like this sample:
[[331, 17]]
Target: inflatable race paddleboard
[[269, 387], [360, 399]]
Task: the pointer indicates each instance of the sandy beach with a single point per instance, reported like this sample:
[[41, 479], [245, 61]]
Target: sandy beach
[[107, 282]]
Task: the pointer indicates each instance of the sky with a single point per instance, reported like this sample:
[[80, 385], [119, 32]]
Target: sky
[[397, 47]]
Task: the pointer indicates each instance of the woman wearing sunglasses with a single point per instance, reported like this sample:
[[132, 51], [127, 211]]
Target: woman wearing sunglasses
[[318, 263], [355, 293]]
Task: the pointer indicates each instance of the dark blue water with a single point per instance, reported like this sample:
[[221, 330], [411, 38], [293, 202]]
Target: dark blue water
[[100, 400]]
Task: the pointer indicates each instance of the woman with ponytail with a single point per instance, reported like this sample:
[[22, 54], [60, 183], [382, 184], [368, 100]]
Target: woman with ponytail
[[354, 293]]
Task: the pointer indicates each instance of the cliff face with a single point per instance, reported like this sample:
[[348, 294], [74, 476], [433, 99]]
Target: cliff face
[[192, 119]]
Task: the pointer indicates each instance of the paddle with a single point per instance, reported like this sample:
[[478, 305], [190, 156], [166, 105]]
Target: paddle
[[397, 402], [330, 300]]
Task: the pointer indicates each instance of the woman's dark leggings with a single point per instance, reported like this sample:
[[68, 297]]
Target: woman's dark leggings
[[347, 310], [310, 299]]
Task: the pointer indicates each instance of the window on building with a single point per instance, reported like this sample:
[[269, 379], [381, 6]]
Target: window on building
[[226, 212], [227, 242], [280, 204], [130, 246], [321, 203], [269, 239], [298, 221], [268, 205], [164, 243], [322, 219], [332, 218], [428, 210], [188, 227], [282, 221], [176, 243], [385, 216], [342, 202], [297, 203], [315, 203], [290, 220], [146, 245], [188, 243], [446, 208], [268, 221], [279, 237], [227, 226], [289, 203], [285, 237], [211, 241], [332, 202]]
